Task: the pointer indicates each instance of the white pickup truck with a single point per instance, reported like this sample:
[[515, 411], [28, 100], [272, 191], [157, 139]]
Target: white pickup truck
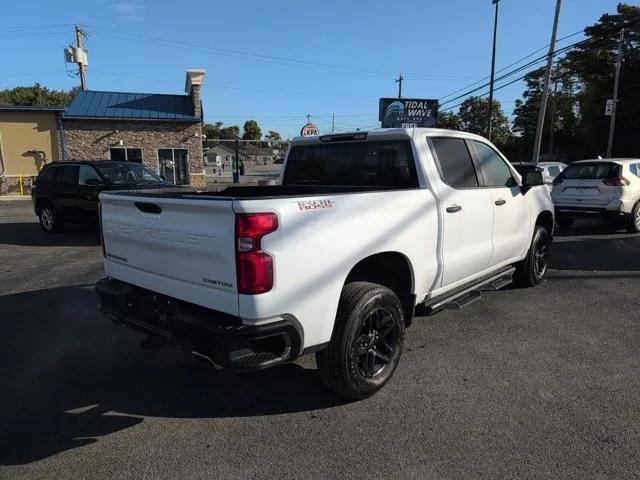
[[363, 231]]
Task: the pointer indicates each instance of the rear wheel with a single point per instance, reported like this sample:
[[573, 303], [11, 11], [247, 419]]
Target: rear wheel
[[49, 220], [367, 341], [532, 270], [634, 220]]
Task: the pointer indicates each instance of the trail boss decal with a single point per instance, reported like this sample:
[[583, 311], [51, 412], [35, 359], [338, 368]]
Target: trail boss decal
[[314, 204]]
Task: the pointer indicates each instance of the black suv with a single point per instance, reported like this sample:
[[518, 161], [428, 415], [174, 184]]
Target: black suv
[[68, 191]]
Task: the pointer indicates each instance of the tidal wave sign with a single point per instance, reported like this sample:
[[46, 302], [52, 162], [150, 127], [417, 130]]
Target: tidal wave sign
[[408, 112]]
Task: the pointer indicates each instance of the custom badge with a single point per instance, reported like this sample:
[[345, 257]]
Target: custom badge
[[314, 204]]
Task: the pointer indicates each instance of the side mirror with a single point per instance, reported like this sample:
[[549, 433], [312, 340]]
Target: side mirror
[[93, 182], [532, 179]]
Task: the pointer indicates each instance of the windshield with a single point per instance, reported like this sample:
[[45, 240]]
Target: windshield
[[591, 171], [385, 164], [127, 173]]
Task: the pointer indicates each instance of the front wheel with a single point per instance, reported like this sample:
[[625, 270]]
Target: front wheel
[[49, 220], [367, 341], [532, 270]]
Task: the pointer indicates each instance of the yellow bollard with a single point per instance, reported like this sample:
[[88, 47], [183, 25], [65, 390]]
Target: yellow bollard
[[21, 188]]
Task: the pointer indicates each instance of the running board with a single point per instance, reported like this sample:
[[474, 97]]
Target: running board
[[466, 295]]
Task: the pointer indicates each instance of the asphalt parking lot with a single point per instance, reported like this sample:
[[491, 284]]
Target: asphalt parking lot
[[537, 383]]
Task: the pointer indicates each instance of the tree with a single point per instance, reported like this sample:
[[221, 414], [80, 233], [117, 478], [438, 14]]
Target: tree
[[230, 133], [37, 95], [585, 79], [448, 120], [473, 118], [251, 131], [273, 136]]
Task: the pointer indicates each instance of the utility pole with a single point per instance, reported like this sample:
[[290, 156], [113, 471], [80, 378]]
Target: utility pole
[[554, 101], [493, 69], [333, 123], [80, 34], [399, 82], [614, 107], [545, 89], [236, 173]]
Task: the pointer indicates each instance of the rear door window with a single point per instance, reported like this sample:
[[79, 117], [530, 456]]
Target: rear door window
[[67, 174], [553, 171], [374, 164], [87, 173], [48, 174], [454, 162], [591, 171], [635, 169]]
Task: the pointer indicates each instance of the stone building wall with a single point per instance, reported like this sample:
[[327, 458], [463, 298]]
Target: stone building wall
[[92, 139]]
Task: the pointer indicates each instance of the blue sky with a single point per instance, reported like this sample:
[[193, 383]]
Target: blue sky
[[330, 56]]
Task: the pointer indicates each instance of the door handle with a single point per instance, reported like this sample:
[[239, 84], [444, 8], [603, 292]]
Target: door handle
[[454, 208], [500, 202]]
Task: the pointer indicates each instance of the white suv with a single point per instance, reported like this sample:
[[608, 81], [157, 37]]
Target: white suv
[[607, 188]]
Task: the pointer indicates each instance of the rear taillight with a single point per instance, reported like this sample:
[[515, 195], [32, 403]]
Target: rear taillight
[[618, 181], [104, 252], [254, 267]]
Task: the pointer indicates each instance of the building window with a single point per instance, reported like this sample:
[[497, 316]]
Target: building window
[[174, 165], [126, 154]]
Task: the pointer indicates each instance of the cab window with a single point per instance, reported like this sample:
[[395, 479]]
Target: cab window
[[454, 162]]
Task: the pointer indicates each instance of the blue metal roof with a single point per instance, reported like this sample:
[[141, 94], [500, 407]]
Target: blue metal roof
[[131, 106]]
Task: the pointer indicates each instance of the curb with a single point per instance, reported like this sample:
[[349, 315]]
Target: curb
[[7, 198]]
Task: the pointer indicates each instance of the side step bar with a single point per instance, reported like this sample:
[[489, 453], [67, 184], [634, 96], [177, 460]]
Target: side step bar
[[466, 295]]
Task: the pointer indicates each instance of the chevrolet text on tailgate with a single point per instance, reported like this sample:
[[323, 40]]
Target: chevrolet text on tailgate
[[365, 230]]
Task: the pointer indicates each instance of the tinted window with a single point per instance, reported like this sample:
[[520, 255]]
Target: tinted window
[[635, 169], [67, 174], [126, 173], [85, 173], [48, 174], [591, 171], [454, 161], [385, 164], [554, 171], [496, 172]]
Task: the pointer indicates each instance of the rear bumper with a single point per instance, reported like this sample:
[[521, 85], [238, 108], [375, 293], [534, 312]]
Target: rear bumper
[[590, 212], [223, 338], [616, 206]]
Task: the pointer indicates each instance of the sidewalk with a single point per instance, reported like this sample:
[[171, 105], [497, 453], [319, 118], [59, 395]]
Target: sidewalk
[[14, 197]]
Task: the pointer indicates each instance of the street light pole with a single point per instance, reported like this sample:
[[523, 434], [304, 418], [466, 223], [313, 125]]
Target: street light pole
[[493, 69]]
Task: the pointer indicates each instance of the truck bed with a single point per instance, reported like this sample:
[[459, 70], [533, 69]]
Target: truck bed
[[255, 192]]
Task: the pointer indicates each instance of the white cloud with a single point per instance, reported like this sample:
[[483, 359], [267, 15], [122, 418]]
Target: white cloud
[[128, 10]]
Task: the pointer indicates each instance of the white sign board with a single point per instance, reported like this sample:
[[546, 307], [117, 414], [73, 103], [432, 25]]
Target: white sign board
[[608, 109]]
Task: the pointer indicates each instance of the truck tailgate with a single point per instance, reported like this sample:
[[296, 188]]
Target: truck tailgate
[[180, 247]]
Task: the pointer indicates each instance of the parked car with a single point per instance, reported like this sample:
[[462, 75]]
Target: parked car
[[606, 189], [524, 167], [550, 170], [365, 229], [68, 191]]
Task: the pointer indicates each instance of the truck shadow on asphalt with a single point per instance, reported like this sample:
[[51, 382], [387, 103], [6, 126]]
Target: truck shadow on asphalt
[[75, 376], [29, 234]]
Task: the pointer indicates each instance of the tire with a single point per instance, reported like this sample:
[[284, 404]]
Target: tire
[[633, 225], [564, 221], [369, 326], [532, 270], [49, 220]]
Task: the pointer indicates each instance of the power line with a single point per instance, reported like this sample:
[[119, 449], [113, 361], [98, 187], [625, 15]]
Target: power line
[[516, 62]]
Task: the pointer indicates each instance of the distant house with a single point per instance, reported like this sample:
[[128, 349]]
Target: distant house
[[28, 140], [259, 155], [225, 153], [163, 131]]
